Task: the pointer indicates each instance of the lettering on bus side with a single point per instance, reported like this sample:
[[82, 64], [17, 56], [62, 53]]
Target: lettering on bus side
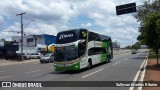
[[65, 36]]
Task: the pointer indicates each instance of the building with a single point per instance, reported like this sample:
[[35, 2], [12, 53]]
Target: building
[[35, 43], [115, 46], [1, 42], [8, 50]]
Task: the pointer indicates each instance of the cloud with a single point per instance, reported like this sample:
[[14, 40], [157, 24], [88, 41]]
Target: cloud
[[86, 25], [122, 28], [41, 29], [56, 15], [1, 20]]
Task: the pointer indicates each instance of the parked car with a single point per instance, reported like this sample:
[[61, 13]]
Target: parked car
[[18, 56], [33, 56], [47, 58]]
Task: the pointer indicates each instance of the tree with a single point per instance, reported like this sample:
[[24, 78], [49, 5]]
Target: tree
[[128, 47], [149, 17], [152, 36], [146, 9], [136, 45]]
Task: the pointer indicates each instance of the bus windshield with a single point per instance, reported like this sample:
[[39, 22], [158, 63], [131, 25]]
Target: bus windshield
[[67, 37], [67, 53]]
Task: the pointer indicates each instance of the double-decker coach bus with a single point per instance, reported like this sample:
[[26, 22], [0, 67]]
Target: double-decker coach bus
[[80, 48]]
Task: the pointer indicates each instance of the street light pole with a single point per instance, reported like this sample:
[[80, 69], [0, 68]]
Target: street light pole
[[21, 14]]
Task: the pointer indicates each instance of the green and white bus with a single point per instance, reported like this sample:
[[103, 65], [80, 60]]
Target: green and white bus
[[80, 48]]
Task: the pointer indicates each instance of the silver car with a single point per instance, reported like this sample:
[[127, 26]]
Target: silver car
[[47, 58]]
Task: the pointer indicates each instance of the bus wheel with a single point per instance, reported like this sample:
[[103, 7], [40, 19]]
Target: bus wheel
[[89, 64], [109, 58]]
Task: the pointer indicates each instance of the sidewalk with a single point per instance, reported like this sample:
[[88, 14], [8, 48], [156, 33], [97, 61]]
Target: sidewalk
[[4, 62]]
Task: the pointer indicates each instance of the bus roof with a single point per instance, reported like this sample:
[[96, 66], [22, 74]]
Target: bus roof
[[87, 30]]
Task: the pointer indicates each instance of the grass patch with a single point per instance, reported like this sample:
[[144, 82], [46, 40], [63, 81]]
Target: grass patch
[[152, 55]]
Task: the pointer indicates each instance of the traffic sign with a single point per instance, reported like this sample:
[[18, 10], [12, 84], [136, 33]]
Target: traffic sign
[[126, 8]]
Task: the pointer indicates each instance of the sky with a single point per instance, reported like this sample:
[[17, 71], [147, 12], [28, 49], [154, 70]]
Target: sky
[[53, 16]]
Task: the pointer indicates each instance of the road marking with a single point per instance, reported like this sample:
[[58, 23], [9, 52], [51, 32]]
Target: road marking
[[143, 72], [121, 54], [32, 71], [4, 77], [2, 71], [138, 73], [125, 59], [93, 73], [117, 63], [52, 67]]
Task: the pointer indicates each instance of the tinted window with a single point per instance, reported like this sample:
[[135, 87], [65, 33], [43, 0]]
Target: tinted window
[[67, 36], [94, 37], [94, 51], [81, 48]]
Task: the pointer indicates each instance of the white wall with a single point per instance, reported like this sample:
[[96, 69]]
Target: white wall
[[1, 43]]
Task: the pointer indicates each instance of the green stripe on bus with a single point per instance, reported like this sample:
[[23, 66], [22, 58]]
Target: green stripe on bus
[[67, 67], [103, 58]]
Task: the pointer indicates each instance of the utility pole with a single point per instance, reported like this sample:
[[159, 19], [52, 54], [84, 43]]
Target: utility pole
[[21, 14]]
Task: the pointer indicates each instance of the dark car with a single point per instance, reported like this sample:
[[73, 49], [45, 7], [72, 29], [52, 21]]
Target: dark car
[[47, 58], [134, 51]]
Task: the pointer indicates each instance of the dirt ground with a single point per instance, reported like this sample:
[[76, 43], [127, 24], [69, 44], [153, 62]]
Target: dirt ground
[[152, 73]]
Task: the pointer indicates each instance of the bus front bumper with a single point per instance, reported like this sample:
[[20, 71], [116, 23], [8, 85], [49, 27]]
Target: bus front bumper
[[67, 67]]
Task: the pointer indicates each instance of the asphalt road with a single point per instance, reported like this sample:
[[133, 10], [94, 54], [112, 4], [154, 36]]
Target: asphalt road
[[123, 67]]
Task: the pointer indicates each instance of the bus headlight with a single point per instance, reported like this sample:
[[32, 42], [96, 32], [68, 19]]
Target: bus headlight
[[76, 66]]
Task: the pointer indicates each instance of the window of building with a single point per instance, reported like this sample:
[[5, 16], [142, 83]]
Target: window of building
[[30, 40]]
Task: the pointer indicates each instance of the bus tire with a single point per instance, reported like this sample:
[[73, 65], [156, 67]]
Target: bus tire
[[109, 58], [89, 64]]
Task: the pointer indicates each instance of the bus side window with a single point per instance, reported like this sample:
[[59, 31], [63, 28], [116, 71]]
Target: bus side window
[[94, 51], [90, 51]]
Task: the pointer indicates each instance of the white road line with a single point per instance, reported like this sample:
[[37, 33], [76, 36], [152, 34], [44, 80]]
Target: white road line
[[2, 71], [4, 77], [121, 54], [117, 63], [143, 72], [52, 67], [138, 73], [125, 59], [32, 71], [93, 73]]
